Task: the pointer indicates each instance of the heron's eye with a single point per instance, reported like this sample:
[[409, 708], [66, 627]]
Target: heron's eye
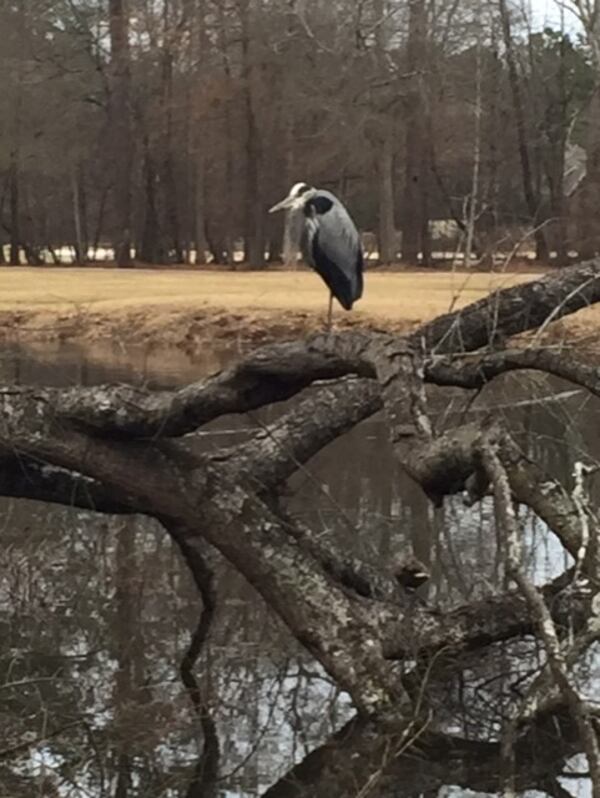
[[302, 189]]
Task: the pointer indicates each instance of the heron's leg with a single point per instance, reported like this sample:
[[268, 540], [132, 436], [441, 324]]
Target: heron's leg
[[330, 312]]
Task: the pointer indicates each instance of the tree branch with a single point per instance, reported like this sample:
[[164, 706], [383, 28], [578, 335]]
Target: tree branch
[[279, 449], [556, 660], [474, 374], [428, 762], [279, 372], [24, 478], [513, 310]]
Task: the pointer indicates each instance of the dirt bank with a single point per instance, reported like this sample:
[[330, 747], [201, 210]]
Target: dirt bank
[[188, 308]]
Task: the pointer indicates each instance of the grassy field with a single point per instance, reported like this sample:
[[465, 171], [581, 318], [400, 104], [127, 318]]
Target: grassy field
[[195, 310], [407, 296]]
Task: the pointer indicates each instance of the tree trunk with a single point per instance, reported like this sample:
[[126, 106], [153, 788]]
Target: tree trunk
[[219, 223], [589, 228], [100, 221], [15, 236], [123, 450], [532, 201], [560, 139], [199, 210], [386, 229], [120, 118], [169, 182], [384, 145], [471, 210], [415, 221], [254, 223], [197, 140], [216, 247], [151, 250], [81, 244], [282, 175]]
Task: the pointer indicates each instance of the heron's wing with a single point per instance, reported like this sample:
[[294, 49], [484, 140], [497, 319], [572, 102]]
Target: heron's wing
[[332, 246]]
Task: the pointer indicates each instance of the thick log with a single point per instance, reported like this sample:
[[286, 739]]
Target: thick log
[[278, 372], [105, 447], [423, 760], [513, 310]]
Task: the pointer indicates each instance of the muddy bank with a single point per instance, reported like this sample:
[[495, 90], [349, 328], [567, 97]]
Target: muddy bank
[[161, 327], [188, 310], [157, 327]]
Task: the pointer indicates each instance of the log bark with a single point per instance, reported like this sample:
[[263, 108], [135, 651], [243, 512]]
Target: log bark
[[115, 449]]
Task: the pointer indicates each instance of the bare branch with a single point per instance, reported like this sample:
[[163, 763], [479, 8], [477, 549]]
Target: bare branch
[[475, 373], [24, 478], [279, 372], [279, 449], [514, 310], [556, 660]]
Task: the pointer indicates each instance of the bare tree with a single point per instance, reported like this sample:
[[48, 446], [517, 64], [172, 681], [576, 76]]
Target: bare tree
[[116, 450], [156, 124], [588, 13], [384, 144], [120, 122], [415, 222], [531, 198], [254, 209]]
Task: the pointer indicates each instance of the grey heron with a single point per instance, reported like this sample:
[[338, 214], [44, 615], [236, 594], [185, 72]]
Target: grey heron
[[329, 242]]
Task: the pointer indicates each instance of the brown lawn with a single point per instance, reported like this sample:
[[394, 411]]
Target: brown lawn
[[183, 306], [396, 296]]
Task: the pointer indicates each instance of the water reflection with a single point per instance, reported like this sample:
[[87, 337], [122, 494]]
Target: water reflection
[[95, 612], [64, 364]]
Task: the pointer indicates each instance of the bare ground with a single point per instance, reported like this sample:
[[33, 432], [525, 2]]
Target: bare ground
[[191, 308]]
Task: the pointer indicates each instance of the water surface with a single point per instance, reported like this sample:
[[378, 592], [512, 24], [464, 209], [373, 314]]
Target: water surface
[[96, 612]]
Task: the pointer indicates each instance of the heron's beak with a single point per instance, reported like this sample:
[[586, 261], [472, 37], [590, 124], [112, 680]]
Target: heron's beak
[[285, 203]]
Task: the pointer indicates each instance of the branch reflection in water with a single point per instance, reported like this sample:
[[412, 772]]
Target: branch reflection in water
[[96, 612]]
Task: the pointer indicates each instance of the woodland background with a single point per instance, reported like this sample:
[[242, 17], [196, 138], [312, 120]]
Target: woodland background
[[205, 579], [164, 129]]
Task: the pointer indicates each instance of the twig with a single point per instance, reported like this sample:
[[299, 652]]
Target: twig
[[580, 499], [557, 663]]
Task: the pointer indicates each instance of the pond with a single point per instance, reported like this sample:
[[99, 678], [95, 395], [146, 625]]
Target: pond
[[96, 611]]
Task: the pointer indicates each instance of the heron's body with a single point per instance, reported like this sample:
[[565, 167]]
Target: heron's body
[[329, 241], [331, 245]]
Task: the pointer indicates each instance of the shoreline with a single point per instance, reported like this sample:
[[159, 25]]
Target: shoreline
[[184, 309], [157, 326]]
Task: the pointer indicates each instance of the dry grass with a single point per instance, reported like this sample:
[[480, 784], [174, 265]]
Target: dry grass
[[400, 296], [183, 307]]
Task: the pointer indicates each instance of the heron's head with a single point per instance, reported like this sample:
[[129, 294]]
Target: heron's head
[[299, 194]]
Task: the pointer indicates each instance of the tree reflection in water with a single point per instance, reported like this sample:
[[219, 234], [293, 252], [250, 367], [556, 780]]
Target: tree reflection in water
[[96, 612]]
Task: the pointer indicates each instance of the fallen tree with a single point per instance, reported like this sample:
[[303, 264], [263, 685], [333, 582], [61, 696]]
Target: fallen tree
[[120, 450]]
